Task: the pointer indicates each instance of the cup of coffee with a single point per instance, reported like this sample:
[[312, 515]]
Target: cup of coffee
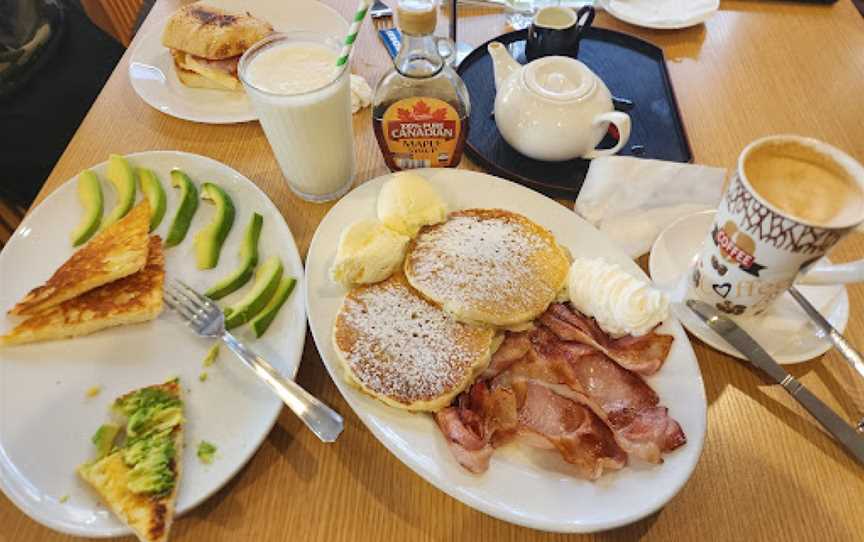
[[789, 202], [557, 31]]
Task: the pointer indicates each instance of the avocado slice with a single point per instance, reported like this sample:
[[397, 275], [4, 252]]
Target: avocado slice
[[266, 281], [209, 241], [263, 319], [122, 176], [90, 195], [155, 194], [186, 210], [104, 438], [248, 261]]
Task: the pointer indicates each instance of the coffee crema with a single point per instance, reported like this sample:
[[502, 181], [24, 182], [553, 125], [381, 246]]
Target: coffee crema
[[804, 183]]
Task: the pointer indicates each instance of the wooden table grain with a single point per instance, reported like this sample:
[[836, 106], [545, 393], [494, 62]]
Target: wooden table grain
[[768, 472]]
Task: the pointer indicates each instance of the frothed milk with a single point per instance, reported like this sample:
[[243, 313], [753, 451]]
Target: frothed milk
[[791, 199], [804, 183], [304, 105]]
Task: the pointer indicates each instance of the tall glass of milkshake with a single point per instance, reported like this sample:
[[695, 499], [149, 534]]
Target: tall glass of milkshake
[[303, 102]]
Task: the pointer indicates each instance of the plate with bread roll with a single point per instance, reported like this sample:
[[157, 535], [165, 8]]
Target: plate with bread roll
[[186, 66], [505, 350]]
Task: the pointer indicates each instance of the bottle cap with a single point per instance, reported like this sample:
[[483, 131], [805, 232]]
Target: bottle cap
[[417, 17]]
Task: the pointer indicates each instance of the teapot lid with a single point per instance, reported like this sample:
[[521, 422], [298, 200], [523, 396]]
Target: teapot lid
[[559, 78]]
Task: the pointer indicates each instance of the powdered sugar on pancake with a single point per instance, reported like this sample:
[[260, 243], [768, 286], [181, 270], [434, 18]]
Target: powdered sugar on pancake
[[487, 263], [398, 345]]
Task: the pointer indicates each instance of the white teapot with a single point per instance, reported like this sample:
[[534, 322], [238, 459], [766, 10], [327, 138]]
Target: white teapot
[[554, 108]]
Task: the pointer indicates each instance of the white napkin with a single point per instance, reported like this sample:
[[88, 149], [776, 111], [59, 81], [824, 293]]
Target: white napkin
[[661, 12], [633, 199], [361, 93]]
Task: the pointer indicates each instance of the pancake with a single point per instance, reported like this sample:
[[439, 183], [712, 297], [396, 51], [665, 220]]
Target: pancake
[[115, 252], [487, 266], [405, 351], [132, 299]]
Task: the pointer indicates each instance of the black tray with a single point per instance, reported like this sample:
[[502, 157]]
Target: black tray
[[633, 69]]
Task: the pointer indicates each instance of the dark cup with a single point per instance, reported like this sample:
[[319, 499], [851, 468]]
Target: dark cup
[[557, 31]]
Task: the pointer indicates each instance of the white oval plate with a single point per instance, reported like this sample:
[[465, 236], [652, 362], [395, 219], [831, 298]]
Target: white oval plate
[[151, 69], [516, 487], [45, 418], [784, 331], [662, 14]]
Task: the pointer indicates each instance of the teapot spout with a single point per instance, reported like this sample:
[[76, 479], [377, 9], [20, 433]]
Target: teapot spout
[[503, 64]]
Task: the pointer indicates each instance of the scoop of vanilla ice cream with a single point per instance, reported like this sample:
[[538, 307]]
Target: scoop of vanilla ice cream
[[368, 252], [408, 202], [620, 303]]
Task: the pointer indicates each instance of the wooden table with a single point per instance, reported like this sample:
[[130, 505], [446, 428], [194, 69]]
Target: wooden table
[[767, 471]]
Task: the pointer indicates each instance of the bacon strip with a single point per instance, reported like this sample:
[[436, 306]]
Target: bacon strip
[[469, 449], [644, 355], [485, 418], [482, 420], [514, 348], [623, 400], [556, 387], [578, 435]]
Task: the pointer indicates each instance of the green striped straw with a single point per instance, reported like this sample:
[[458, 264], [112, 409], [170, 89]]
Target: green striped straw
[[359, 15]]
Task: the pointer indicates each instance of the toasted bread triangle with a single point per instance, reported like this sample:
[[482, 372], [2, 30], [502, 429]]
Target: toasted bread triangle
[[150, 517], [116, 252], [131, 299]]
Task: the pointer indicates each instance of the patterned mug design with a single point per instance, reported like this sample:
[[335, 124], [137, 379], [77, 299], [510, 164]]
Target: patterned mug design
[[729, 308], [754, 252], [719, 267]]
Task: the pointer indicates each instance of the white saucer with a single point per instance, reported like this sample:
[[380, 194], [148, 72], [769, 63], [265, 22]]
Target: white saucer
[[784, 331], [661, 14], [151, 69]]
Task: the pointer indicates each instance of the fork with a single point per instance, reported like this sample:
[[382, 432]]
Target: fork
[[381, 15], [206, 319]]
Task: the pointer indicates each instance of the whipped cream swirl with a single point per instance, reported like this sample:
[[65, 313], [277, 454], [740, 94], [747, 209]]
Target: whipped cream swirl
[[620, 303]]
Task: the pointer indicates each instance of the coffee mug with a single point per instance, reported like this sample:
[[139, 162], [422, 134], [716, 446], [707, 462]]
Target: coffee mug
[[789, 202], [557, 31]]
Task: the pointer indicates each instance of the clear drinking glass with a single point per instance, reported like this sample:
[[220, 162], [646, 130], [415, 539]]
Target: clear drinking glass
[[309, 130]]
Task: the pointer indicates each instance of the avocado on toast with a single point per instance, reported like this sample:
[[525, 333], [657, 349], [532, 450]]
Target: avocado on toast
[[138, 479]]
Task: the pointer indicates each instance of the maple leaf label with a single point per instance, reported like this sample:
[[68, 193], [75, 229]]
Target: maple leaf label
[[404, 115], [422, 130], [420, 121]]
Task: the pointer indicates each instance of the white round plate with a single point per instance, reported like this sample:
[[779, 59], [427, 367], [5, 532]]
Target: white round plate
[[516, 488], [662, 14], [151, 69], [46, 420], [784, 330]]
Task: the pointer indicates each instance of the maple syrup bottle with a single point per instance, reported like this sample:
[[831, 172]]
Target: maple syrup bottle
[[420, 107]]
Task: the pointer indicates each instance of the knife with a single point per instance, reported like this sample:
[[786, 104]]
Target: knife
[[737, 337]]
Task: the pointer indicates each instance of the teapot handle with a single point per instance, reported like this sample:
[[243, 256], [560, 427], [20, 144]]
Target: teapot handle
[[622, 122]]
